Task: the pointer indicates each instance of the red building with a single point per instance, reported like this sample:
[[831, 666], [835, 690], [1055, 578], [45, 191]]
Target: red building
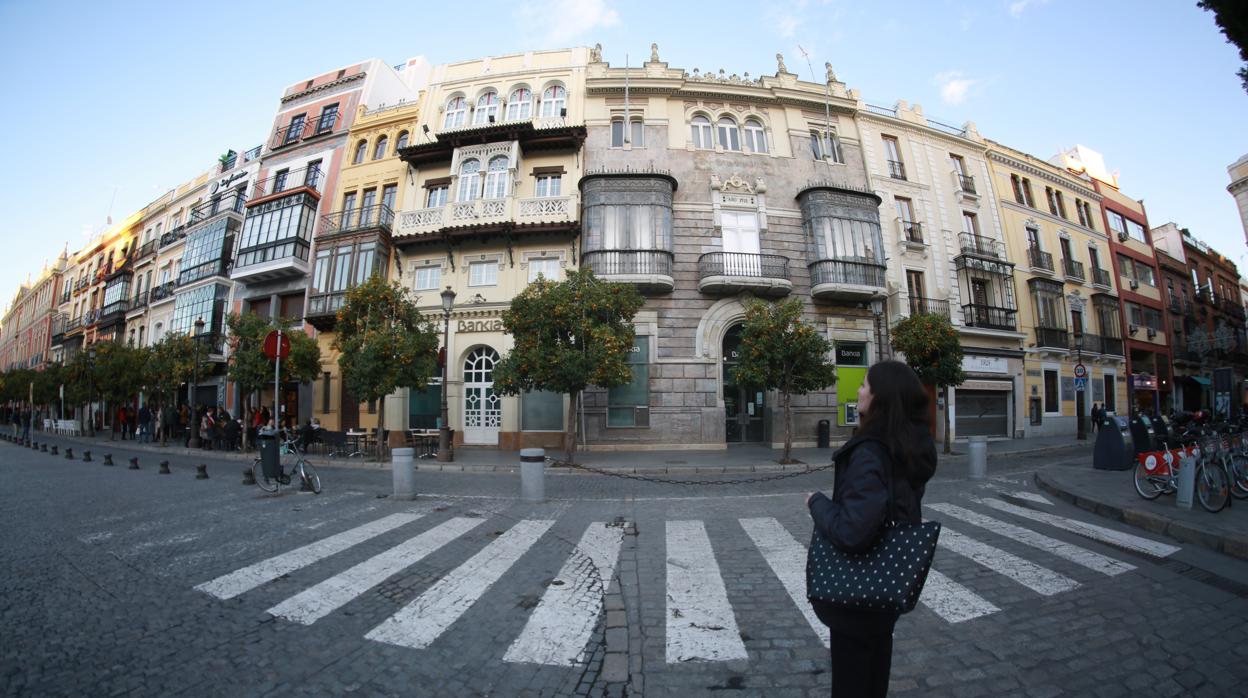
[[26, 330]]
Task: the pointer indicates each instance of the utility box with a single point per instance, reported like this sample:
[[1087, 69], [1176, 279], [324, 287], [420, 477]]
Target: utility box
[[270, 459]]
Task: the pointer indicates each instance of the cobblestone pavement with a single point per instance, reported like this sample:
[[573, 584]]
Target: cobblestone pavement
[[129, 582]]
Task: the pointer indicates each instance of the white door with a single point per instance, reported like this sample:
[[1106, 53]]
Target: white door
[[740, 231], [483, 408]]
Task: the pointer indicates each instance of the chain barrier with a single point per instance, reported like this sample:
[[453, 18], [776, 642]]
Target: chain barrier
[[669, 481]]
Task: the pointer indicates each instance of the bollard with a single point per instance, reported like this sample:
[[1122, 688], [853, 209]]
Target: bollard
[[34, 445], [44, 447], [108, 459], [977, 463], [1187, 483], [533, 474], [403, 469], [69, 454], [201, 471], [134, 464], [164, 467], [54, 451], [86, 456], [249, 476]]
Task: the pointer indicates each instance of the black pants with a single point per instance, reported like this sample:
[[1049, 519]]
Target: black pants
[[861, 664]]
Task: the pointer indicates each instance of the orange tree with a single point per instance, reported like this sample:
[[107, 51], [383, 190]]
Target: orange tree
[[780, 352], [568, 336], [385, 342], [934, 351]]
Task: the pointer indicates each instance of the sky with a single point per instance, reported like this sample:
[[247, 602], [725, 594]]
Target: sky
[[111, 104]]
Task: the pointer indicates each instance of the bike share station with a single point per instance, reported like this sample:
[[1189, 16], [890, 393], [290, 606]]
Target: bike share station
[[1124, 443]]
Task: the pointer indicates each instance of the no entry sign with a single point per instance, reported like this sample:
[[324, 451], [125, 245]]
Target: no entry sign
[[276, 349]]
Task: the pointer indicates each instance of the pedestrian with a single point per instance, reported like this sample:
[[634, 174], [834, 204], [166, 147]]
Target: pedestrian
[[892, 444], [1096, 416], [170, 424], [120, 423], [145, 424]]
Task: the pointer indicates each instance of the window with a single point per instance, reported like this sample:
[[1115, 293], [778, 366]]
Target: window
[[401, 142], [366, 204], [1145, 274], [617, 133], [329, 117], [1085, 214], [295, 129], [483, 274], [547, 267], [1136, 231], [1094, 258], [312, 179], [279, 180], [1051, 400], [205, 251], [623, 400], [205, 302], [348, 209], [379, 151], [428, 278], [755, 136], [1126, 267], [729, 134], [436, 196], [487, 108], [825, 145], [636, 136], [970, 223], [496, 178], [1061, 204], [360, 149], [554, 101], [388, 193], [469, 180], [456, 109], [959, 165], [366, 261], [541, 410], [519, 104], [892, 151], [1117, 224], [1022, 190], [1056, 205], [702, 132], [637, 133], [549, 185], [1050, 304]]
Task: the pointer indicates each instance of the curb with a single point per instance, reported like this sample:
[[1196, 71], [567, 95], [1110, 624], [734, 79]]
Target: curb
[[1153, 522]]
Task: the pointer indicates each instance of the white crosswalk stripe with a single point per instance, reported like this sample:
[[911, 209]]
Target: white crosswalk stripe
[[700, 622], [1081, 556], [787, 559], [1088, 530], [252, 576], [952, 601], [319, 601], [419, 623], [559, 629], [1038, 579]]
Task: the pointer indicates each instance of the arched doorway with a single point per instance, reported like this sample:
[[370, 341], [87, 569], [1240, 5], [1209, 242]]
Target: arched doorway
[[483, 408], [743, 405]]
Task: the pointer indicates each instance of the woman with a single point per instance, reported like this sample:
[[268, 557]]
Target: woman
[[893, 440]]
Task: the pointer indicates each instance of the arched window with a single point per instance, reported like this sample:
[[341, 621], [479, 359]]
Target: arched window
[[636, 133], [360, 149], [520, 104], [402, 142], [496, 178], [729, 134], [487, 106], [702, 132], [379, 151], [554, 100], [469, 180], [456, 110], [755, 137]]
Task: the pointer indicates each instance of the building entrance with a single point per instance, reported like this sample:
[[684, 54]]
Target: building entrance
[[743, 405]]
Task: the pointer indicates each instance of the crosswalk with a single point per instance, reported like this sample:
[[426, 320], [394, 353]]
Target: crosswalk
[[700, 582]]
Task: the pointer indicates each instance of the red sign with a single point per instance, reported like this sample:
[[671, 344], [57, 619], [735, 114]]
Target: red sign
[[1080, 371], [271, 347]]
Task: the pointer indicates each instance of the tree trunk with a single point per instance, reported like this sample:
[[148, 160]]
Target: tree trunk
[[787, 401], [569, 434], [948, 445], [381, 426]]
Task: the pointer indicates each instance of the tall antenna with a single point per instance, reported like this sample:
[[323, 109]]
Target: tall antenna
[[826, 136]]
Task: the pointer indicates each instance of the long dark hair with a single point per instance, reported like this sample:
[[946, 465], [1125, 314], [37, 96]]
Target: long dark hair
[[897, 414]]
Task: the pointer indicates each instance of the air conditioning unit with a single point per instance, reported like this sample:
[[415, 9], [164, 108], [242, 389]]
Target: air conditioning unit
[[1132, 329], [1134, 284], [1122, 237], [1152, 333]]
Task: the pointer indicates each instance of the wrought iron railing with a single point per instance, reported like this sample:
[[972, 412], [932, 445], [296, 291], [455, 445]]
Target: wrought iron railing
[[989, 317], [743, 264], [281, 181], [896, 169], [173, 235], [1073, 269], [912, 231], [967, 183], [1111, 345], [162, 291], [928, 306], [288, 134], [840, 271], [72, 324], [375, 216], [324, 124], [215, 267], [231, 201], [1052, 337], [253, 153], [1039, 260], [1100, 277], [980, 245], [290, 248], [618, 262], [147, 248], [115, 307], [139, 300]]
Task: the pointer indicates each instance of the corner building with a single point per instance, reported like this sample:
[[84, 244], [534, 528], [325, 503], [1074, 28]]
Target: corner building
[[705, 190]]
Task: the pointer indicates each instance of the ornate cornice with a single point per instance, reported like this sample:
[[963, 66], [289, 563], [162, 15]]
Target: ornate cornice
[[323, 87], [1046, 175]]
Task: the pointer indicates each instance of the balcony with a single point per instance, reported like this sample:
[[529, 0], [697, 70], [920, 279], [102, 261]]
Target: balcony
[[557, 211], [649, 270], [897, 169], [73, 324], [981, 246], [928, 306], [147, 248], [1039, 261], [139, 302], [163, 292], [1100, 277], [286, 181], [725, 273], [1073, 269], [173, 236], [989, 317], [293, 132], [323, 308], [365, 218], [1052, 338], [113, 312], [232, 202], [279, 259], [215, 267], [846, 280], [910, 233], [1111, 345], [966, 184]]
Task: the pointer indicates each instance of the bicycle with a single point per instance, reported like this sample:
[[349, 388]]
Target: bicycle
[[1238, 467], [304, 469], [1154, 476]]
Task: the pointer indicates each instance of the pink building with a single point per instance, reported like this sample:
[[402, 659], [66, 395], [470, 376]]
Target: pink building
[[26, 330]]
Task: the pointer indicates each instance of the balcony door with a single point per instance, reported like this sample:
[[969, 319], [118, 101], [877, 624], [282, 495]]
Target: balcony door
[[740, 232], [483, 408], [914, 286]]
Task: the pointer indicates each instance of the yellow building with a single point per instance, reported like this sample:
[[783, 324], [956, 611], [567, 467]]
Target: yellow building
[[1068, 306]]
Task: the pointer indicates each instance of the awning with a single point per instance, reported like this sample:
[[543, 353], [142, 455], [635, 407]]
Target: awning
[[1199, 379]]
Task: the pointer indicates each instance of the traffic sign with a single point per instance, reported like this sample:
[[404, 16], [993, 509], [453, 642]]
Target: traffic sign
[[273, 349], [1081, 383], [1081, 371]]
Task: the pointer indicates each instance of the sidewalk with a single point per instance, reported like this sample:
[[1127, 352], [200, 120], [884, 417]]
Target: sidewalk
[[1110, 493]]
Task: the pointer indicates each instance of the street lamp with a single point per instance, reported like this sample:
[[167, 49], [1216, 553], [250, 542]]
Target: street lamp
[[1081, 432], [190, 389], [444, 430]]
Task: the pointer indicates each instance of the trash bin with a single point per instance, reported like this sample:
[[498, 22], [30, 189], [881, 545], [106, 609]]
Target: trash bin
[[270, 459], [1115, 449], [825, 434], [1142, 434]]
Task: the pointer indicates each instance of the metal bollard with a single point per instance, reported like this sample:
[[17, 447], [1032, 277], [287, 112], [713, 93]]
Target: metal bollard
[[533, 474], [54, 451], [249, 477], [1187, 483], [108, 459], [43, 447], [403, 469], [164, 467], [977, 463], [86, 456], [134, 464], [69, 454], [34, 445], [201, 471]]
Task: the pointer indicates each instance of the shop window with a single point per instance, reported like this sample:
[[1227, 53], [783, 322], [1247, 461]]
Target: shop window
[[541, 410], [628, 404]]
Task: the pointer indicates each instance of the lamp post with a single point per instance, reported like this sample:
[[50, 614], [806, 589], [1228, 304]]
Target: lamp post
[[444, 430], [193, 442], [1081, 429], [91, 393]]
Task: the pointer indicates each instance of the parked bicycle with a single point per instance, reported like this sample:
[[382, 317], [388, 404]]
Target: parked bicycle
[[1158, 473], [301, 468]]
